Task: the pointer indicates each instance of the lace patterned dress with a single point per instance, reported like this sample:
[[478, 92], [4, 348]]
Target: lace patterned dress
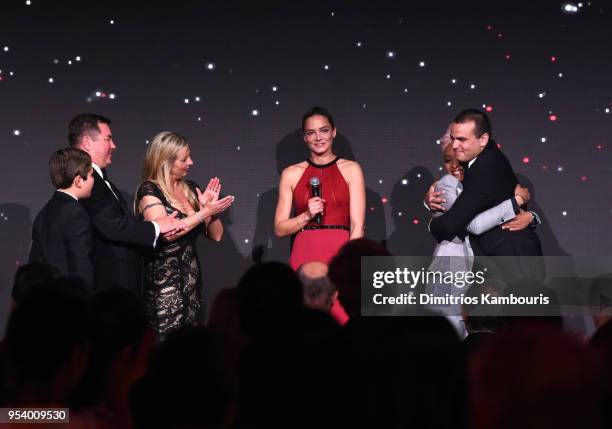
[[172, 288]]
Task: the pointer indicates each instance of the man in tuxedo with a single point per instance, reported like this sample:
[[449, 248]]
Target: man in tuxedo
[[62, 235], [119, 237], [488, 180]]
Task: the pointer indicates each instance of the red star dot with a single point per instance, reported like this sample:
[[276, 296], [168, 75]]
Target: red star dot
[[553, 59], [489, 108], [526, 160], [583, 178], [499, 146], [385, 200], [415, 221], [489, 27], [507, 56], [544, 168], [553, 118], [600, 146], [371, 209]]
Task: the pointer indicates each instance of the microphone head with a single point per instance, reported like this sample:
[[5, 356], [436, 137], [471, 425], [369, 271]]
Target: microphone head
[[314, 181]]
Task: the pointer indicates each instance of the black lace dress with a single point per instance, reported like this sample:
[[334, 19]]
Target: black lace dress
[[172, 288]]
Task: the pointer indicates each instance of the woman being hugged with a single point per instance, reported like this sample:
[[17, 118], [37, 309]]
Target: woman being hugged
[[322, 223], [172, 287]]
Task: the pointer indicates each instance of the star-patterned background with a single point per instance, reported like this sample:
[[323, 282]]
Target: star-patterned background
[[235, 78]]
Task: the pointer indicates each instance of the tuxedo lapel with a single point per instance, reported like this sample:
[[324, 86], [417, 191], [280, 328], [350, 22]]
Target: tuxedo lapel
[[113, 192]]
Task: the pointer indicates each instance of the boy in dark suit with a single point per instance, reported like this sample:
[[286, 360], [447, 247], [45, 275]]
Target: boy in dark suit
[[62, 234]]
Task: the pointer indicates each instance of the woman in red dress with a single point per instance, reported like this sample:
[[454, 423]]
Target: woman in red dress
[[341, 203]]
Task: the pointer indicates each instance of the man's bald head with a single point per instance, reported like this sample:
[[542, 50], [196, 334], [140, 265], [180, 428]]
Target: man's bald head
[[313, 270], [319, 291]]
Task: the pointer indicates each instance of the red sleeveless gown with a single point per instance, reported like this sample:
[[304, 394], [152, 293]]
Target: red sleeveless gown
[[322, 244]]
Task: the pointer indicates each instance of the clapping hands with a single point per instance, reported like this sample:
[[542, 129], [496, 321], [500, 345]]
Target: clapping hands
[[209, 199]]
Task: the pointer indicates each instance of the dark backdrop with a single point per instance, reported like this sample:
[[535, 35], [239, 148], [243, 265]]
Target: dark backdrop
[[394, 75]]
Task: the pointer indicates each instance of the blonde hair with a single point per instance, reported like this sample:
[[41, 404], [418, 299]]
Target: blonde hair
[[161, 155]]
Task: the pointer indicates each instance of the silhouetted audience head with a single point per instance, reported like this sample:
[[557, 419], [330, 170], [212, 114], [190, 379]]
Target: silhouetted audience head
[[48, 339], [31, 275], [270, 299], [121, 344], [483, 317], [185, 386], [319, 291], [600, 298], [534, 376], [345, 271]]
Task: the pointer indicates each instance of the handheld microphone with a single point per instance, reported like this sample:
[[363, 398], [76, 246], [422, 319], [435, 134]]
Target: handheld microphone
[[316, 192]]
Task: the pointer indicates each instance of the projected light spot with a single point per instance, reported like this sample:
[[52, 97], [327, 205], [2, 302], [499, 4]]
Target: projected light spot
[[210, 66]]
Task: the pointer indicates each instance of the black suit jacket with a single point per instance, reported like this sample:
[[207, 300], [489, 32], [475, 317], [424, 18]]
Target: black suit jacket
[[488, 182], [119, 238], [62, 236]]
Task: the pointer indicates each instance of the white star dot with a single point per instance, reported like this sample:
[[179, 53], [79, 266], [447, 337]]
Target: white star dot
[[543, 139], [186, 100], [560, 74], [421, 63], [277, 102], [55, 61], [541, 95], [199, 119], [246, 240], [364, 105], [28, 3], [380, 181], [112, 96], [453, 81], [98, 94], [197, 99], [472, 86], [274, 88], [237, 147], [78, 58], [564, 213], [399, 213], [607, 110], [69, 62], [419, 175], [326, 67], [390, 54], [358, 44], [254, 112], [5, 49], [404, 182], [560, 169], [112, 21], [388, 76], [51, 80], [210, 66], [405, 90], [16, 132], [449, 103]]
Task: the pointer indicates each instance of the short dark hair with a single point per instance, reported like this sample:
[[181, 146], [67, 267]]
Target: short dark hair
[[86, 123], [320, 111], [482, 123], [66, 164]]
